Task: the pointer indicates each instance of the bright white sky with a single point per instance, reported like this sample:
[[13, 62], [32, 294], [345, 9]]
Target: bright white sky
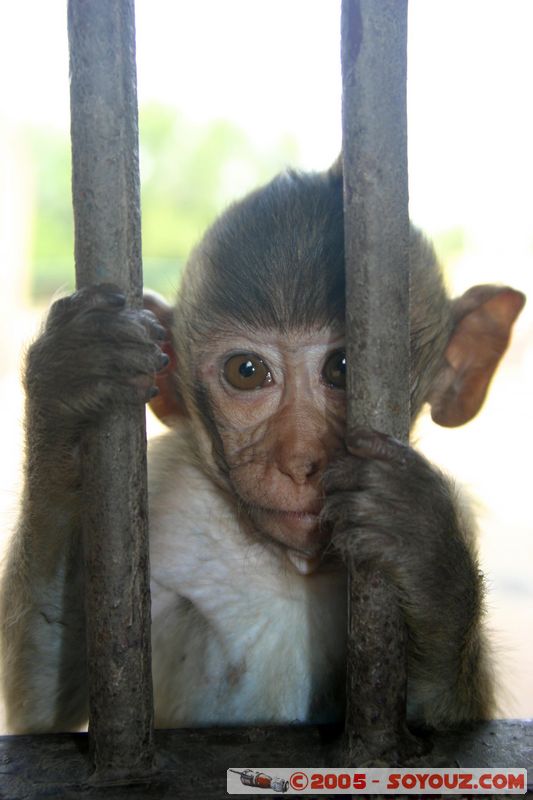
[[274, 68]]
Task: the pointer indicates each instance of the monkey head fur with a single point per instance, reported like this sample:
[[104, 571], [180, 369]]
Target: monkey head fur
[[275, 260]]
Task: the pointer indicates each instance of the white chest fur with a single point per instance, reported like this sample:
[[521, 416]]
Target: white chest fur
[[238, 636]]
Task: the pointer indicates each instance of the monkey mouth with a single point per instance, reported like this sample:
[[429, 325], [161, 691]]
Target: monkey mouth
[[305, 516], [301, 518], [298, 529]]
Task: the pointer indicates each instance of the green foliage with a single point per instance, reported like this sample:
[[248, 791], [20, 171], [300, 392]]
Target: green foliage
[[188, 174], [53, 245]]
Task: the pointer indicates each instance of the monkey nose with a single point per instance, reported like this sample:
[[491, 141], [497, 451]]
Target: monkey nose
[[300, 469]]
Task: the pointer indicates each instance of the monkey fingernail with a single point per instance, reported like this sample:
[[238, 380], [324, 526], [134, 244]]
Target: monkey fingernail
[[153, 391], [164, 361], [373, 444], [362, 443], [160, 332], [116, 299]]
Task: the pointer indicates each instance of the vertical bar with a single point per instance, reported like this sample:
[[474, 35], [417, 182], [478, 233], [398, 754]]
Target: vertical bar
[[374, 68], [105, 185]]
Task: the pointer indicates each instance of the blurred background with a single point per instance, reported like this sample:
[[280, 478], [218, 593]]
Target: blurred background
[[230, 93]]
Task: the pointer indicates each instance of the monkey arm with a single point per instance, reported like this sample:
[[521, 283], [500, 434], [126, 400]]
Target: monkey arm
[[393, 511], [41, 602], [450, 674], [452, 678], [93, 353]]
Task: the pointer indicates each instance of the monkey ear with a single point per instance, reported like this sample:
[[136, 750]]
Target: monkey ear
[[167, 405], [484, 318]]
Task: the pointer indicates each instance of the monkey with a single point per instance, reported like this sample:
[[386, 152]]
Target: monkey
[[256, 495]]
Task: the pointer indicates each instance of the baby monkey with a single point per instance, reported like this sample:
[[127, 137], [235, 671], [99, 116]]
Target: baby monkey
[[255, 496]]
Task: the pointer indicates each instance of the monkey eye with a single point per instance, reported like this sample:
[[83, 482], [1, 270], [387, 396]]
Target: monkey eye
[[247, 371], [334, 372]]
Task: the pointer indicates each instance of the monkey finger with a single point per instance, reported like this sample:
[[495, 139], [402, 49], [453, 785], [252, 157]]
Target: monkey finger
[[368, 443], [164, 361], [339, 513], [142, 363], [344, 474], [144, 388], [152, 325], [132, 325], [103, 295], [354, 532], [365, 545]]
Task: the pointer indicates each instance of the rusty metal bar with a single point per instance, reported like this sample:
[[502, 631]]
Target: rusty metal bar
[[105, 181], [374, 67]]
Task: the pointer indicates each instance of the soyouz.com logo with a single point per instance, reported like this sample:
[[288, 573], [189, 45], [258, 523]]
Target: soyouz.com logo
[[483, 781]]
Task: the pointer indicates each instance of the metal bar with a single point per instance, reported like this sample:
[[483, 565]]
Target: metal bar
[[105, 181], [374, 68]]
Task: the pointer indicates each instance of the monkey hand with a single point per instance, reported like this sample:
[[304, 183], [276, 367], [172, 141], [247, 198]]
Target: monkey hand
[[390, 510], [93, 354]]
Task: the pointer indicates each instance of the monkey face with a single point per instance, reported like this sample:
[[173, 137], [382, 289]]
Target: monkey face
[[279, 405]]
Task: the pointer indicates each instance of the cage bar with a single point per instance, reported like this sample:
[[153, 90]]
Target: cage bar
[[374, 69], [105, 185]]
